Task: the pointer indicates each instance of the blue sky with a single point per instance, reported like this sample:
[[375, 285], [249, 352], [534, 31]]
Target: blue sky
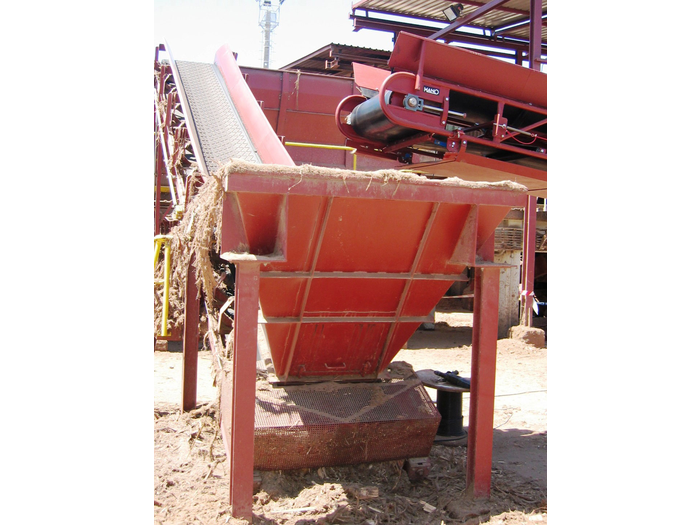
[[195, 29]]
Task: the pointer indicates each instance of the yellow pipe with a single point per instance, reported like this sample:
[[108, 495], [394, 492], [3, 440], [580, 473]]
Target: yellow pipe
[[327, 146], [160, 240], [166, 290], [156, 245]]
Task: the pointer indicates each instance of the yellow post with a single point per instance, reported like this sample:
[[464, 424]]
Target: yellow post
[[159, 241], [166, 290]]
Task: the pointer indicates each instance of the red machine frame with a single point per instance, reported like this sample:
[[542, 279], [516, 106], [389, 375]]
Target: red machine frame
[[427, 75]]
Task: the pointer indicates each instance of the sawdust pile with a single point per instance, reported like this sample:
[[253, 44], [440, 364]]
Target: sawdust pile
[[191, 479], [297, 173]]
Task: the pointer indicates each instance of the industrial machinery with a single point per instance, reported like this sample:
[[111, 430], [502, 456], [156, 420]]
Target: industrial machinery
[[339, 267], [451, 104]]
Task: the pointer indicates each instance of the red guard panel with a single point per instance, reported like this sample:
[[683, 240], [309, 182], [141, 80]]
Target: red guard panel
[[456, 64]]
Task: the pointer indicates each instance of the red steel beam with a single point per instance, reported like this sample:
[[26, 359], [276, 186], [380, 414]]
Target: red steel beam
[[535, 40], [418, 189], [535, 54], [483, 377], [245, 334], [190, 343]]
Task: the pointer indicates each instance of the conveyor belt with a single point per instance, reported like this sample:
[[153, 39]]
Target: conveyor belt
[[218, 127]]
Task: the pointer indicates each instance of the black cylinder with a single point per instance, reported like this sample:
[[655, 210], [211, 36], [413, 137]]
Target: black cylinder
[[368, 121], [449, 404]]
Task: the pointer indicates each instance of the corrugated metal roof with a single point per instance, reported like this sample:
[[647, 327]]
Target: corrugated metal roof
[[337, 59], [510, 12]]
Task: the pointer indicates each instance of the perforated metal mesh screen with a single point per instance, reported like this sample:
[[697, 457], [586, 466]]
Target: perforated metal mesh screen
[[329, 424], [219, 128]]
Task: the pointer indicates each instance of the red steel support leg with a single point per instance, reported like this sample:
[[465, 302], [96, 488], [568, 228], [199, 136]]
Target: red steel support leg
[[528, 269], [245, 344], [535, 54], [483, 382], [190, 341]]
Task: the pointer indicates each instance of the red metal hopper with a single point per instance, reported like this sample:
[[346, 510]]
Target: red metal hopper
[[352, 263]]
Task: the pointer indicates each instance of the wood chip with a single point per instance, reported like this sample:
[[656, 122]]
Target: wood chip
[[368, 492], [282, 511], [427, 507]]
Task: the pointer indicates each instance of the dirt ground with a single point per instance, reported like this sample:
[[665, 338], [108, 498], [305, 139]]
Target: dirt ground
[[191, 474]]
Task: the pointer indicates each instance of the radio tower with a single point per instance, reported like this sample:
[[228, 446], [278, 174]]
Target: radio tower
[[268, 19]]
